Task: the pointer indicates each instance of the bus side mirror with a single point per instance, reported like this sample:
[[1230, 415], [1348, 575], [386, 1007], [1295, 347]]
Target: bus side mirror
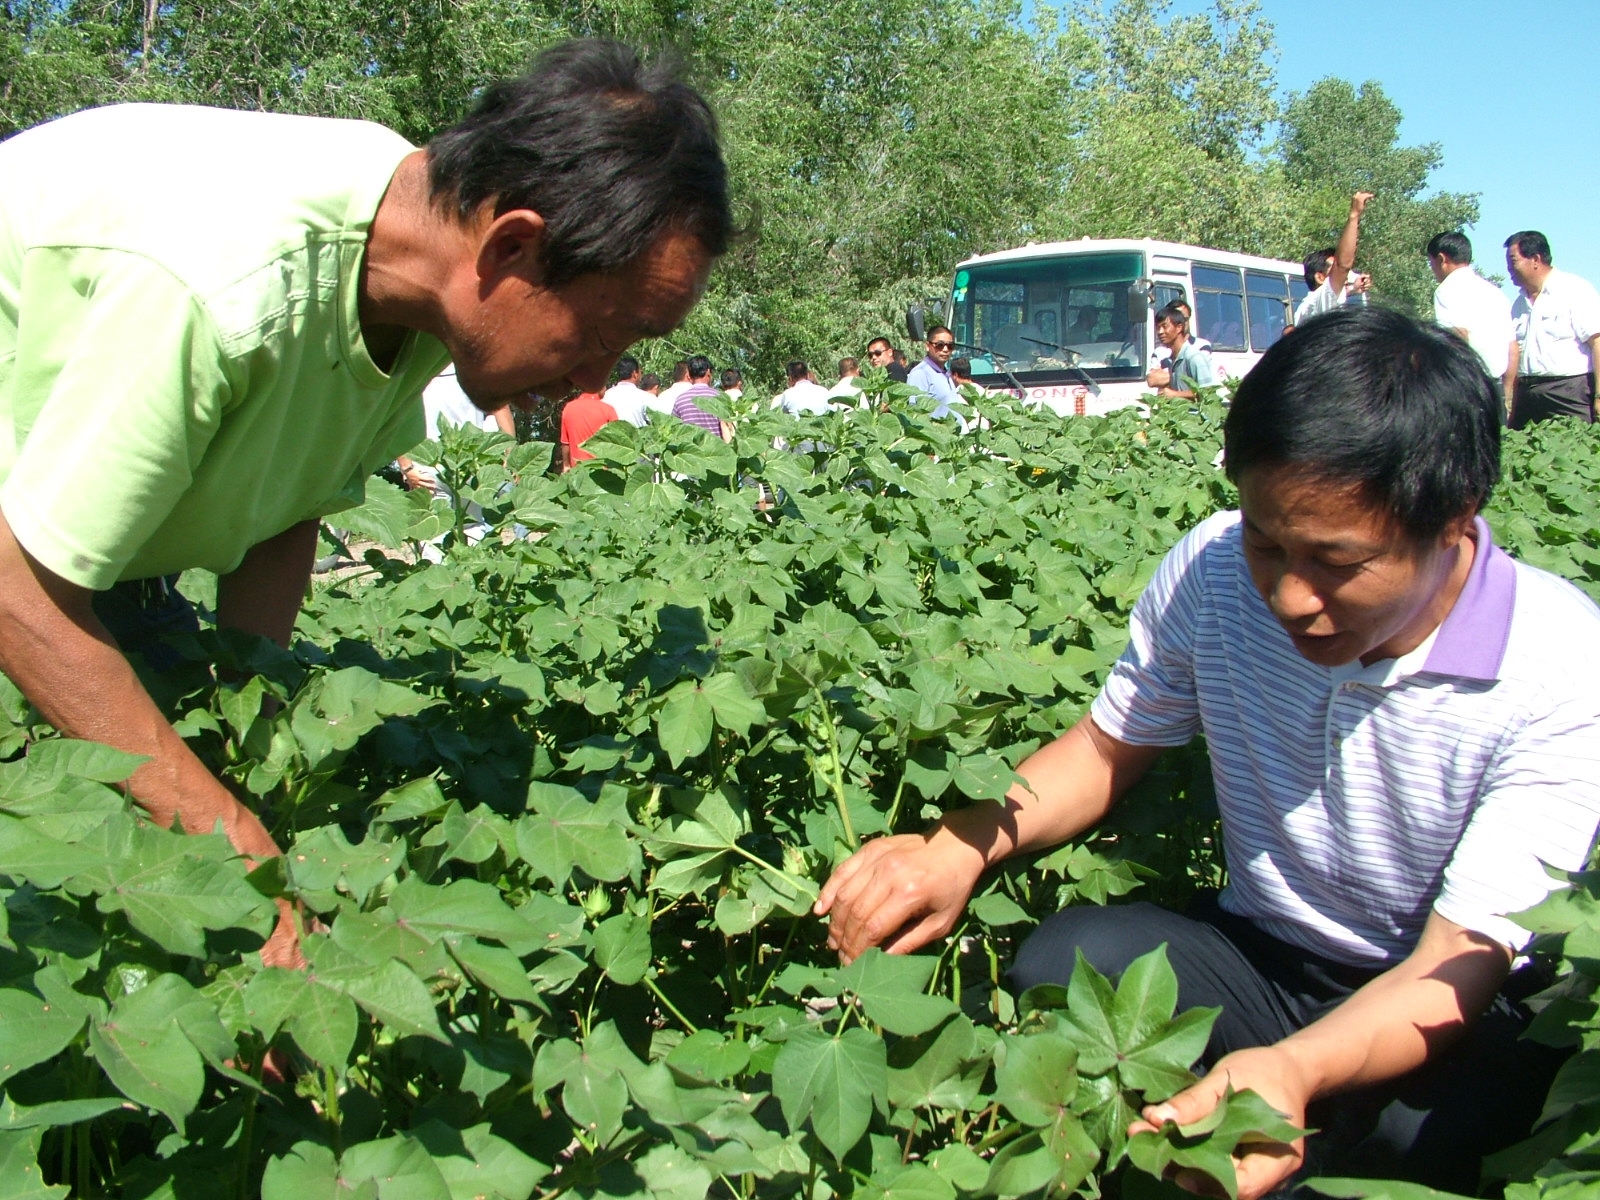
[[1139, 295], [916, 323]]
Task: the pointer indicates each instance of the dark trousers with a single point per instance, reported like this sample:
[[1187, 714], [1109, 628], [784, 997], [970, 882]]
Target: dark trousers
[[142, 613], [1543, 397], [1432, 1126]]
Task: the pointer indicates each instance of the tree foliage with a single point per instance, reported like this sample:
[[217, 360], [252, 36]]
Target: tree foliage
[[871, 145]]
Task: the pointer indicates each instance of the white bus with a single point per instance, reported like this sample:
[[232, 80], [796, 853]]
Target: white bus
[[1071, 324]]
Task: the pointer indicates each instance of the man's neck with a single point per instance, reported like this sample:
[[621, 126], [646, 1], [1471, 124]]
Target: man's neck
[[1533, 287]]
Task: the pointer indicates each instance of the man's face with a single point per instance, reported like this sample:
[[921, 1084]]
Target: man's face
[[1436, 264], [1526, 271], [1327, 269], [880, 354], [517, 336], [1168, 333], [1339, 574], [940, 347]]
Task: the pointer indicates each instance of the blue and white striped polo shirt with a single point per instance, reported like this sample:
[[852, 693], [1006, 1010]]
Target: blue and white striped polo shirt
[[1355, 800]]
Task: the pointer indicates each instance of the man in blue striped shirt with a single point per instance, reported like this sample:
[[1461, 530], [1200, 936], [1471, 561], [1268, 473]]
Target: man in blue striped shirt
[[1403, 724]]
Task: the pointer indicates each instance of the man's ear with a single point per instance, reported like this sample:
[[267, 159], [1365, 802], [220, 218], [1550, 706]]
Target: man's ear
[[512, 244]]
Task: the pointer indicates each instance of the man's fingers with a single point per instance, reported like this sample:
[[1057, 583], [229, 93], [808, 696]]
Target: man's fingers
[[842, 874]]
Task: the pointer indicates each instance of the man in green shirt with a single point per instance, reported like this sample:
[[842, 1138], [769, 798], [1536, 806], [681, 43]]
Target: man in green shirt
[[214, 325]]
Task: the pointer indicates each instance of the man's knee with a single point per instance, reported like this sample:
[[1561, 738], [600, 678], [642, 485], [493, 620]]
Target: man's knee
[[1110, 937]]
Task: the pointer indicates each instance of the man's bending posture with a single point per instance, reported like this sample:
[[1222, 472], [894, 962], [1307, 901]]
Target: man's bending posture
[[215, 325], [1403, 725]]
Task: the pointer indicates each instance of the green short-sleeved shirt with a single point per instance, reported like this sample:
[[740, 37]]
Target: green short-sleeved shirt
[[182, 373]]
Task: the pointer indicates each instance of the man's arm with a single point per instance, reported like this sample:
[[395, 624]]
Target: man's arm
[[1387, 1028], [56, 650], [262, 594], [903, 892], [1344, 254], [1509, 383], [1594, 367]]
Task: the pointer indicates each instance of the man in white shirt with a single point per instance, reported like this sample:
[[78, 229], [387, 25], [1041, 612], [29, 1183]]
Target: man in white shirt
[[849, 385], [1329, 273], [1472, 306], [1556, 318], [680, 384], [625, 397], [803, 395]]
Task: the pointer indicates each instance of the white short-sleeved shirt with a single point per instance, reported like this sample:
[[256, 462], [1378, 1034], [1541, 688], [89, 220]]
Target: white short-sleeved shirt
[[1357, 800], [1466, 300], [629, 402], [803, 397], [1553, 332], [1319, 300]]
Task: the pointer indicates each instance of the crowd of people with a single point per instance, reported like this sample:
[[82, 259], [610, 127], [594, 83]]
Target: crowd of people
[[214, 327]]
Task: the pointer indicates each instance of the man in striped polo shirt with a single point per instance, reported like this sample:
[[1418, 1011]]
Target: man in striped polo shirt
[[1403, 725]]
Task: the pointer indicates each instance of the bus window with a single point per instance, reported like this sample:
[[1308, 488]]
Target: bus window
[[1267, 300], [1169, 293], [1219, 307]]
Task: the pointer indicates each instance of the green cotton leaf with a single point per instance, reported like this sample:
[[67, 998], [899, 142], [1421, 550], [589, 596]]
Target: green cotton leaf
[[1160, 1067], [670, 1174], [892, 990], [690, 876], [997, 910], [401, 1167], [324, 860], [708, 1057], [497, 969], [834, 1080], [1209, 1144], [914, 1182], [685, 721], [1375, 1189], [463, 906], [1036, 1076], [566, 829], [733, 707], [394, 995], [241, 704], [32, 1030], [146, 1055], [336, 710], [324, 1025], [621, 948], [310, 1172], [417, 798], [1090, 999], [471, 837], [1146, 996], [982, 777], [595, 1095], [961, 1166], [929, 770], [28, 853], [20, 1177], [54, 1113], [477, 1165], [50, 762], [943, 1068]]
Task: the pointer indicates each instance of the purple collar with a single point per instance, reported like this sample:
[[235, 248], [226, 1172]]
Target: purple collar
[[1472, 639]]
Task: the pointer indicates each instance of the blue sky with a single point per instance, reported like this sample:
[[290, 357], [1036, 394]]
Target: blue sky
[[1507, 91]]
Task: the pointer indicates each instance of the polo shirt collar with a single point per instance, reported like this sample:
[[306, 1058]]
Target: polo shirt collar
[[928, 360], [1471, 641]]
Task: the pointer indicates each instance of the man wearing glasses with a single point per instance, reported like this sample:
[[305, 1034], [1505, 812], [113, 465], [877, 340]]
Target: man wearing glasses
[[932, 374], [880, 353]]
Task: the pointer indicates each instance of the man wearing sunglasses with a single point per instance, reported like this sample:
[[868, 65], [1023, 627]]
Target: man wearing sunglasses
[[932, 374], [880, 353]]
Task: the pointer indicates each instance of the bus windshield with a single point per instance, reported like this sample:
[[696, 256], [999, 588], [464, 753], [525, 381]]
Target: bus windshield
[[1046, 316]]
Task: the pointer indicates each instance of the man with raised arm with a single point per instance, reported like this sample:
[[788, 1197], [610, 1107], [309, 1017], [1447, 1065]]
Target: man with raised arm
[[1403, 728], [1330, 273], [214, 325]]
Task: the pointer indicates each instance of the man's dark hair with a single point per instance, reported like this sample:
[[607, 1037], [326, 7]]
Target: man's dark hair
[[937, 330], [680, 370], [1370, 397], [1316, 263], [1172, 312], [1453, 247], [627, 367], [1531, 243], [961, 366], [731, 378], [699, 367], [611, 150], [887, 344], [796, 370], [848, 365], [646, 382]]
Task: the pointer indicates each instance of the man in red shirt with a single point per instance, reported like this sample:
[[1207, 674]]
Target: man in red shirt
[[583, 414]]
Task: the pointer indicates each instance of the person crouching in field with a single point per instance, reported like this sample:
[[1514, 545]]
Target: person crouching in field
[[1403, 726]]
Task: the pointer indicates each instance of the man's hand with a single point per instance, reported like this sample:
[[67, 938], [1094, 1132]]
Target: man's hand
[[1358, 203], [1158, 378], [899, 892], [1275, 1077]]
